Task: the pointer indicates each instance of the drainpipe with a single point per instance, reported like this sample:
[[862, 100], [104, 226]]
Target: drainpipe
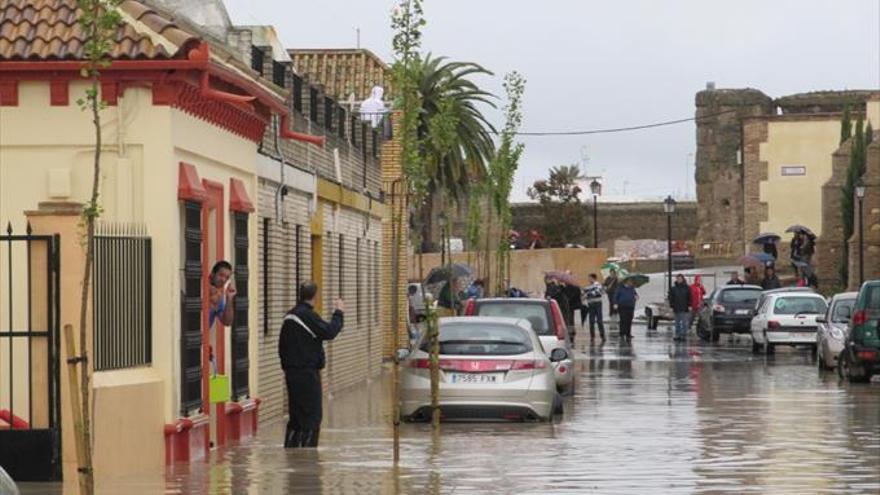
[[281, 191]]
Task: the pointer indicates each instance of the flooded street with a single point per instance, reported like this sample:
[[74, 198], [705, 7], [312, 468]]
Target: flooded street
[[653, 418]]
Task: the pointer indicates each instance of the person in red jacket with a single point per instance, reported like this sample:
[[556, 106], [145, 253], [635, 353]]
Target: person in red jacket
[[698, 292]]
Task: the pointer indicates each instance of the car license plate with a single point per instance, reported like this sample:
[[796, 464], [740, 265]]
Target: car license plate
[[476, 378], [742, 311]]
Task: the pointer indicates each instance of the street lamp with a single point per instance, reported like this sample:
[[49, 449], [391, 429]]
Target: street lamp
[[860, 193], [596, 189], [669, 208]]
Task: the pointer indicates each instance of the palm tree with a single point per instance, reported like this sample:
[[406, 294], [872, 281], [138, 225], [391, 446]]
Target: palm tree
[[450, 102]]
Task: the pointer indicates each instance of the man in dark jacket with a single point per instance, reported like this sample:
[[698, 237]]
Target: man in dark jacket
[[771, 280], [301, 349], [680, 301], [573, 295], [625, 298]]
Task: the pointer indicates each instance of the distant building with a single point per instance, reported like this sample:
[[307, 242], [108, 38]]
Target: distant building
[[765, 164]]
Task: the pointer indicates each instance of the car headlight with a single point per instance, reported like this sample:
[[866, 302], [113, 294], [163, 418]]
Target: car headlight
[[836, 333]]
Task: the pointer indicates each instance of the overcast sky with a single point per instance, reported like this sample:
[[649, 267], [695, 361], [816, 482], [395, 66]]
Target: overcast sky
[[598, 64]]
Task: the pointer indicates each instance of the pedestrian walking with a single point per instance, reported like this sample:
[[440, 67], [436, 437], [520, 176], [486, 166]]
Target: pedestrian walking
[[592, 302], [625, 298], [680, 301], [555, 291], [301, 349], [770, 248], [771, 280], [573, 294], [698, 292], [611, 284]]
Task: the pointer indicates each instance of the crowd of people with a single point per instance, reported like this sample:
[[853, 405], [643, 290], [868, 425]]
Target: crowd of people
[[622, 298]]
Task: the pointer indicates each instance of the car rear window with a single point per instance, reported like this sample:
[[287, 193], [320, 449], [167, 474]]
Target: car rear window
[[536, 314], [481, 340], [799, 305], [843, 310], [740, 295]]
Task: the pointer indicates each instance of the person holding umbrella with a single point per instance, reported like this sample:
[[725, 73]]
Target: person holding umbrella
[[625, 298], [767, 241], [611, 284]]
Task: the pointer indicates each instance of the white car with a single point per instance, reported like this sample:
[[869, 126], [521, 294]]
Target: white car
[[490, 368], [787, 318], [546, 320]]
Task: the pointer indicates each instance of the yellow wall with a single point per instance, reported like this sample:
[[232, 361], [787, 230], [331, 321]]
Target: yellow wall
[[139, 184], [797, 199]]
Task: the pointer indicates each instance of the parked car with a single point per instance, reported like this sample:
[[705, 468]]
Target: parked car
[[787, 318], [490, 368], [831, 329], [860, 357], [728, 309], [768, 293], [7, 486], [546, 320]]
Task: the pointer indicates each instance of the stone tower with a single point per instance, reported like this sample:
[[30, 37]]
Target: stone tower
[[719, 173]]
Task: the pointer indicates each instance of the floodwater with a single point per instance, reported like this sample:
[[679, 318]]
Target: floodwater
[[655, 417]]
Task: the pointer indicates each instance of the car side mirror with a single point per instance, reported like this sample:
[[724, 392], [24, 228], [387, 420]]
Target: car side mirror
[[821, 319], [558, 354], [403, 353]]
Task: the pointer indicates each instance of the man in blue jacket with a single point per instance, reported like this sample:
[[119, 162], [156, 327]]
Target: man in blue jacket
[[625, 299], [301, 349]]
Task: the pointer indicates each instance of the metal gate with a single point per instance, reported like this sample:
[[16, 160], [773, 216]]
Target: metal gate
[[30, 426]]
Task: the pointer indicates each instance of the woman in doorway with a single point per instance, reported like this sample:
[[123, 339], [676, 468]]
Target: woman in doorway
[[221, 293]]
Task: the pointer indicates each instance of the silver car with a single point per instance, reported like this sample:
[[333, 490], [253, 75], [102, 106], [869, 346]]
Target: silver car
[[490, 368], [832, 329], [546, 320]]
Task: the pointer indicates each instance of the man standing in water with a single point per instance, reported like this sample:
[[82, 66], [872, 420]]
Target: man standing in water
[[301, 348]]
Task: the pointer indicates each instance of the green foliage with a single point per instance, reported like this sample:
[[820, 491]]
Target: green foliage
[[857, 159], [565, 217], [502, 167], [407, 21], [455, 139], [845, 124]]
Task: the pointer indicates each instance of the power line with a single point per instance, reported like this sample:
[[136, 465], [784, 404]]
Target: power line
[[623, 129]]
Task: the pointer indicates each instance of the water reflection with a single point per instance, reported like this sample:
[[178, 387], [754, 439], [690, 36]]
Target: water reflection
[[651, 417]]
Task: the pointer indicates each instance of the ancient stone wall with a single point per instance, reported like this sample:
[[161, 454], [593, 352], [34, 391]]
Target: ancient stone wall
[[719, 177], [620, 221], [829, 245], [871, 219]]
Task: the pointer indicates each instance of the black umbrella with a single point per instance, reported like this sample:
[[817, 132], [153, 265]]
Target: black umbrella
[[766, 238], [444, 273], [801, 229]]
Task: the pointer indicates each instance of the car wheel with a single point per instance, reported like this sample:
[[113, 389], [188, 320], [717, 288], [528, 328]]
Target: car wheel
[[842, 365], [820, 362]]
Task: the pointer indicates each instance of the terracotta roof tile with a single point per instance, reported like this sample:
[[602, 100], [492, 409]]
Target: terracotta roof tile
[[49, 30]]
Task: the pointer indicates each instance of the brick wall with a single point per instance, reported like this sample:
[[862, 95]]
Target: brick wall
[[357, 353], [871, 225], [279, 239], [829, 245], [755, 171], [719, 178], [395, 200]]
